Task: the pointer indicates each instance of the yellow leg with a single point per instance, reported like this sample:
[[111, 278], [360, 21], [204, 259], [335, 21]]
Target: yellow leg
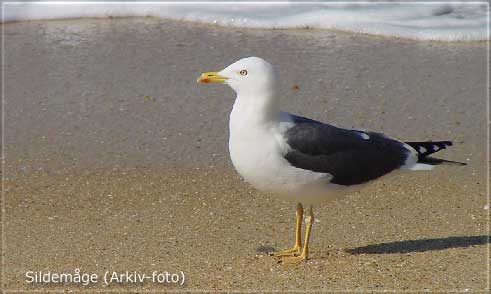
[[305, 252], [298, 236]]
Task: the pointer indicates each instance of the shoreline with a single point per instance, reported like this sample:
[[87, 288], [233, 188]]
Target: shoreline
[[283, 30]]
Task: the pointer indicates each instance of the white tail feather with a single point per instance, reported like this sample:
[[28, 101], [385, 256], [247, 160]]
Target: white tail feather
[[421, 166]]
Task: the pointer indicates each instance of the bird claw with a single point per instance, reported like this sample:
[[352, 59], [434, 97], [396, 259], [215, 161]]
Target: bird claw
[[295, 251], [292, 259]]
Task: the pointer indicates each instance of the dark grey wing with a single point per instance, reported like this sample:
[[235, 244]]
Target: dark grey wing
[[350, 156]]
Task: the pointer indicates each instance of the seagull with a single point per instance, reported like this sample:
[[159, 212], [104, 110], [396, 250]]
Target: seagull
[[301, 159]]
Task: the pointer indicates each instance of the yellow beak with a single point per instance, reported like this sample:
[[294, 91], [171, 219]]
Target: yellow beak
[[211, 77]]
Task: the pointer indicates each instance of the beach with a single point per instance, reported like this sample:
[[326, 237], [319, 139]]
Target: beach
[[117, 160]]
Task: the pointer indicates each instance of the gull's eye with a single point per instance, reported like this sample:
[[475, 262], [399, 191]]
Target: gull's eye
[[243, 72]]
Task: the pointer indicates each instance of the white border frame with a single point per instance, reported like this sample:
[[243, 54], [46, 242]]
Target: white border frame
[[87, 290]]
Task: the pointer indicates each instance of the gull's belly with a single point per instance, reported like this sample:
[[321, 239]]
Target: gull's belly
[[260, 162]]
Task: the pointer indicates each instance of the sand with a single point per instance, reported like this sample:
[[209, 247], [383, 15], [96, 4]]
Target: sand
[[116, 160]]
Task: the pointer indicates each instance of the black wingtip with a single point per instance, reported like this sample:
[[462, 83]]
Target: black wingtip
[[429, 147], [438, 161]]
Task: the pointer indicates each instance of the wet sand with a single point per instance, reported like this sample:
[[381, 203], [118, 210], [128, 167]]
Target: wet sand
[[117, 160]]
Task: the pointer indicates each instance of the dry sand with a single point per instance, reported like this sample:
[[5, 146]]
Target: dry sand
[[117, 160]]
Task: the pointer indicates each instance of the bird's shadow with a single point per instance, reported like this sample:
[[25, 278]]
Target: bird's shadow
[[421, 245], [265, 249]]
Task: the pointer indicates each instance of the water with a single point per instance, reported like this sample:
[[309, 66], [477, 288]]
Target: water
[[419, 21]]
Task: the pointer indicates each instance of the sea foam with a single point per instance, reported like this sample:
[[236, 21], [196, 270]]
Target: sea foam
[[420, 21]]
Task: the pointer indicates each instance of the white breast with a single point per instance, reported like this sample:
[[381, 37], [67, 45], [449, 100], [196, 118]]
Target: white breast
[[257, 152]]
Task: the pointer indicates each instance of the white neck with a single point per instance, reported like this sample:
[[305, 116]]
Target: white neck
[[250, 110]]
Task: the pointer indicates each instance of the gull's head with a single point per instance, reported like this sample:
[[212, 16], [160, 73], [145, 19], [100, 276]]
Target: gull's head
[[247, 75]]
